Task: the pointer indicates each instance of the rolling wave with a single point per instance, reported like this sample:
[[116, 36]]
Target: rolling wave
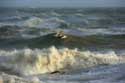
[[27, 34], [33, 22], [40, 61], [66, 40], [50, 23]]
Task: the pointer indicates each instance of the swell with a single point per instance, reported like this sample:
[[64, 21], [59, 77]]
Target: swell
[[71, 41], [40, 61]]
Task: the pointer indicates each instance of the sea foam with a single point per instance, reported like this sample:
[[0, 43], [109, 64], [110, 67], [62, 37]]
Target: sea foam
[[40, 61]]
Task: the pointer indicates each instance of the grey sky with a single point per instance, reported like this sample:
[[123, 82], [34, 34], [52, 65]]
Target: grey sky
[[62, 3]]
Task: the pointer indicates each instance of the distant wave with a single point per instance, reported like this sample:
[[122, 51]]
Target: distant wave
[[6, 24], [32, 22], [16, 18], [9, 31], [50, 23], [55, 14], [102, 31], [19, 32], [39, 61], [12, 18]]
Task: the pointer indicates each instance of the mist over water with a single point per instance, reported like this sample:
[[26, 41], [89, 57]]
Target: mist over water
[[67, 45]]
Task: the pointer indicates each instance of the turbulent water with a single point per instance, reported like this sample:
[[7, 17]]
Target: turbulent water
[[63, 45]]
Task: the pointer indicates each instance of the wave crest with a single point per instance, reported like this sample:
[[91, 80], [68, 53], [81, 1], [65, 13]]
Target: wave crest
[[29, 62], [33, 22], [46, 23]]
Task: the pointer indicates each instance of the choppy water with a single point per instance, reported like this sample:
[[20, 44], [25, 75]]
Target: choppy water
[[92, 50]]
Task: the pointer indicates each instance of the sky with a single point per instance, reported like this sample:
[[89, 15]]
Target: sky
[[62, 3]]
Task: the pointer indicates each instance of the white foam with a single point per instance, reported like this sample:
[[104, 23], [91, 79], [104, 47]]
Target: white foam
[[49, 23], [33, 22], [6, 24], [38, 61]]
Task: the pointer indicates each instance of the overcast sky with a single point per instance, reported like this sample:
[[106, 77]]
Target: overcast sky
[[62, 3]]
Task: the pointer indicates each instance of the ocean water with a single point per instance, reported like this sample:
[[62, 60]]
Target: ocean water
[[82, 45]]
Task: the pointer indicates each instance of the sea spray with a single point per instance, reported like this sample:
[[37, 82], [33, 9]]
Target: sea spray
[[40, 61]]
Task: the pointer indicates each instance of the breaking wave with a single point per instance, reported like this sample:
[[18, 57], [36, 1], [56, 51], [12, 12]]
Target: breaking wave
[[6, 24], [45, 23], [32, 22], [40, 61]]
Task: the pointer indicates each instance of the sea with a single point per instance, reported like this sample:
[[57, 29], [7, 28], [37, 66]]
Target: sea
[[63, 45]]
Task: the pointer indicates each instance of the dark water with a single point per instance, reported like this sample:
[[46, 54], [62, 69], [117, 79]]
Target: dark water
[[97, 27], [93, 29]]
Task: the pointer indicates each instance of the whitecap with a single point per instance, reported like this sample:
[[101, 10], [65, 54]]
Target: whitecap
[[33, 22], [48, 23], [40, 61]]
